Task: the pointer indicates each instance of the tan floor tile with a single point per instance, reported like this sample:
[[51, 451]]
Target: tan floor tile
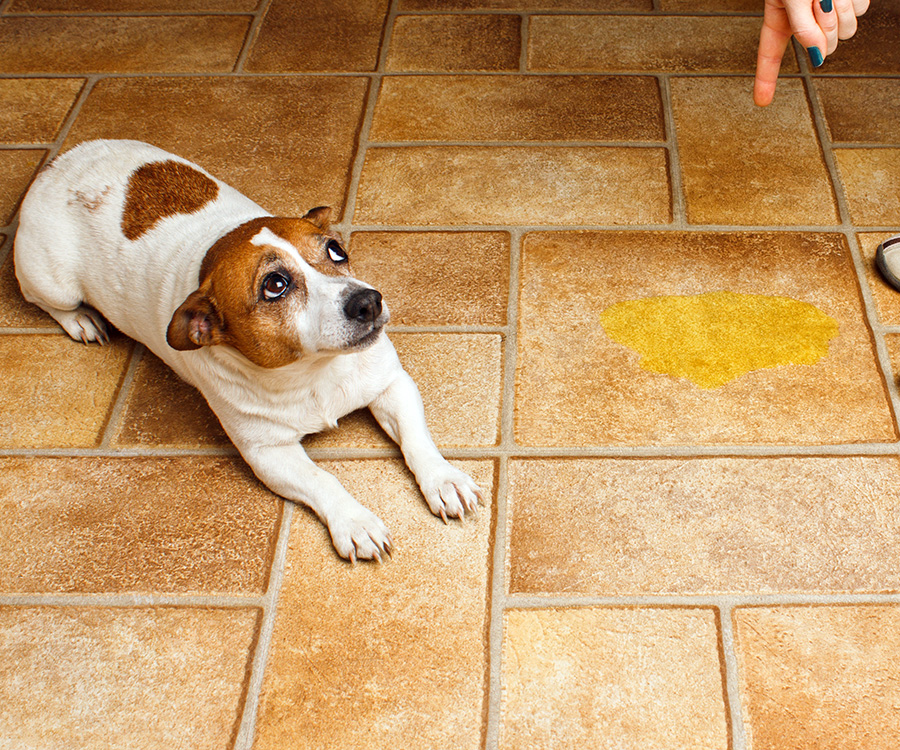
[[107, 525], [596, 677], [701, 526], [15, 312], [871, 180], [861, 110], [873, 49], [60, 394], [437, 278], [518, 108], [455, 43], [174, 44], [32, 110], [387, 653], [815, 677], [887, 300], [892, 342], [608, 5], [624, 44], [334, 35], [18, 168], [749, 165], [459, 377], [433, 185], [287, 143], [576, 386], [89, 677], [132, 6]]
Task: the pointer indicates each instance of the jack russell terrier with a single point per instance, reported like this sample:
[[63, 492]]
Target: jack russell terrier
[[260, 313]]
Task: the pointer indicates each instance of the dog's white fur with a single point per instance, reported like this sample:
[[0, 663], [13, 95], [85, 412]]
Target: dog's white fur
[[74, 261]]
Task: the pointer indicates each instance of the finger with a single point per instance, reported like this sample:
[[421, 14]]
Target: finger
[[807, 31], [773, 41], [860, 6], [826, 16], [846, 18]]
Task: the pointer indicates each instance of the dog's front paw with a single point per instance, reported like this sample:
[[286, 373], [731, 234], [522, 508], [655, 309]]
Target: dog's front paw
[[83, 324], [360, 535], [451, 493]]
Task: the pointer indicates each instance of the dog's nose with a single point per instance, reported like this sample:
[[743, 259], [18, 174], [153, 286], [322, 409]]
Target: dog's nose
[[363, 306]]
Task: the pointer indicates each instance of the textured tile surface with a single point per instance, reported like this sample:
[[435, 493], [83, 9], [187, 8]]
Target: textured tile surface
[[18, 168], [860, 110], [873, 49], [32, 110], [132, 6], [871, 181], [886, 298], [523, 5]]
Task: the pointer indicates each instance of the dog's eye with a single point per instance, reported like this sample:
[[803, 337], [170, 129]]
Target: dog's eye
[[275, 285], [336, 252]]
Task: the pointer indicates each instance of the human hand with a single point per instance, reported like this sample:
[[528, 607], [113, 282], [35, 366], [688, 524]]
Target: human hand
[[817, 25]]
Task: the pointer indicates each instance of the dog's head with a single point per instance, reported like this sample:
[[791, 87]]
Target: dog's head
[[277, 289]]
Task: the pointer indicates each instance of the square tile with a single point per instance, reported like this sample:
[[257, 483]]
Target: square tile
[[873, 49], [748, 165], [887, 300], [703, 526], [185, 525], [454, 43], [518, 108], [18, 168], [511, 185], [287, 143], [89, 677], [871, 181], [575, 386], [821, 676], [400, 647], [32, 110], [861, 110], [612, 677]]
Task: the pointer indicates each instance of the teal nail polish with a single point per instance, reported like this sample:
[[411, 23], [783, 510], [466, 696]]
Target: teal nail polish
[[827, 6], [815, 56]]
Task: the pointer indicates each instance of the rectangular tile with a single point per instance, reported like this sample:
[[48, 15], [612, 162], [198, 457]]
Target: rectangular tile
[[887, 301], [576, 386], [592, 5], [711, 6], [701, 526], [861, 110], [612, 677], [518, 108], [132, 6], [871, 182], [18, 166], [434, 185], [400, 647], [873, 49], [32, 110]]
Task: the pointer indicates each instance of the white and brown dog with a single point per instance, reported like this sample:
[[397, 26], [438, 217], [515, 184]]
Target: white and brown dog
[[259, 313]]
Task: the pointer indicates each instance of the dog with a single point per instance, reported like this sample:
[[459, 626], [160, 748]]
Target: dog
[[259, 313]]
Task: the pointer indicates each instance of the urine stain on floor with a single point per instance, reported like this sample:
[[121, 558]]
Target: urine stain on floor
[[716, 337]]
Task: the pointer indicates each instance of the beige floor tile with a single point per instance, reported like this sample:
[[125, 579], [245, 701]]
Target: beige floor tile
[[887, 299], [132, 6], [871, 180], [518, 108], [150, 678], [15, 312], [32, 110], [702, 526], [108, 525], [626, 44], [861, 110], [60, 394], [287, 143], [18, 167], [612, 678], [334, 35], [873, 49], [387, 652], [575, 386], [437, 278], [454, 43], [608, 5], [816, 677], [173, 44], [434, 185], [749, 165]]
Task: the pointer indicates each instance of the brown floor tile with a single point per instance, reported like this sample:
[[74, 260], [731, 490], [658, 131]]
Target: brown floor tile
[[433, 185], [61, 393], [455, 43], [749, 165], [32, 110], [90, 677], [132, 6], [701, 526], [861, 110], [319, 35], [873, 49], [608, 5], [174, 44], [518, 108], [604, 677], [871, 180], [15, 312], [108, 525], [711, 6], [459, 377], [892, 342], [388, 652], [437, 278], [576, 386], [665, 44], [18, 168], [287, 143], [815, 677], [887, 300]]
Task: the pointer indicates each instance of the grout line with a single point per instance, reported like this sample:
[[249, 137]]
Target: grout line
[[676, 181], [497, 608], [732, 679], [113, 420], [132, 599], [524, 40], [259, 16]]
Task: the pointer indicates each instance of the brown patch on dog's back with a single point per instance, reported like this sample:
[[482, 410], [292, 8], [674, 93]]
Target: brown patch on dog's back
[[160, 189]]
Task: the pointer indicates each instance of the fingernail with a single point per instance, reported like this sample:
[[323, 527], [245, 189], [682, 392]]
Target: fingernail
[[827, 6], [815, 56]]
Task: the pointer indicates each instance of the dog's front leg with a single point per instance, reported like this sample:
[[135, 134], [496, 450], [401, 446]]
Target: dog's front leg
[[447, 490], [357, 533]]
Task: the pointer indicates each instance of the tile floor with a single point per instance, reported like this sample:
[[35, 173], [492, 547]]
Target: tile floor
[[693, 524]]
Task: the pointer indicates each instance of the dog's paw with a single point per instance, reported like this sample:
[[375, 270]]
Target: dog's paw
[[83, 324], [451, 493], [360, 535]]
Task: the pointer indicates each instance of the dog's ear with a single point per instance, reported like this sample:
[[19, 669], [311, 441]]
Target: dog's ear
[[320, 216], [196, 323]]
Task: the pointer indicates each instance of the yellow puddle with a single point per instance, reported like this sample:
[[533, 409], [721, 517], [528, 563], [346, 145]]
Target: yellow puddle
[[714, 338]]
